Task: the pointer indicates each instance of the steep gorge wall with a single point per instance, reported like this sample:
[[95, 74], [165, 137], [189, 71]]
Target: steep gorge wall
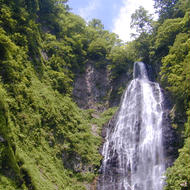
[[96, 89], [92, 87]]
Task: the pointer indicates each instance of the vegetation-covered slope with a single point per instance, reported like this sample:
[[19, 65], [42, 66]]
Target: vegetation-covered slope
[[45, 139]]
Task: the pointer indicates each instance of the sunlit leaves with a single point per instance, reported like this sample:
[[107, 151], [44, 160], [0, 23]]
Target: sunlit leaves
[[141, 21], [167, 32], [6, 20], [165, 8], [97, 49], [175, 70], [178, 177]]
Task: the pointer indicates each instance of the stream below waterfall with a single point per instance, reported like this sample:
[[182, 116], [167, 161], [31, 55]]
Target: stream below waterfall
[[133, 149]]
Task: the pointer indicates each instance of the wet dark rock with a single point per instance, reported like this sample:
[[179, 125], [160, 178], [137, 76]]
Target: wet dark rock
[[170, 136], [95, 88], [92, 87], [72, 161], [120, 82]]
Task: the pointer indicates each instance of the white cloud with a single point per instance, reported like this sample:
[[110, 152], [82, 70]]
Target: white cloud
[[87, 12], [122, 22]]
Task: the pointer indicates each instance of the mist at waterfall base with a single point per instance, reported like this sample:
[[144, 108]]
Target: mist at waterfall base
[[133, 150]]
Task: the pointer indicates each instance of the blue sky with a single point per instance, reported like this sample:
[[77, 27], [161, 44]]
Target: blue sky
[[114, 14]]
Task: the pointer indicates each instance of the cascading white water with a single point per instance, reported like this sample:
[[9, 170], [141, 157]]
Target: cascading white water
[[133, 151]]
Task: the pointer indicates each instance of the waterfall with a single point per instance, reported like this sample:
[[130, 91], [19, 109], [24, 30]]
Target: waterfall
[[133, 150]]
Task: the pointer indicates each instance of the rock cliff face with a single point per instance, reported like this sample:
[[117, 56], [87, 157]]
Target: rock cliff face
[[91, 88], [95, 88], [170, 137]]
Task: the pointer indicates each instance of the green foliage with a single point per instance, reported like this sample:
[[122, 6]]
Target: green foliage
[[107, 115], [96, 24], [165, 8], [42, 47], [167, 33], [172, 44], [183, 6], [178, 177], [7, 22], [187, 125], [141, 21], [175, 70], [100, 42], [3, 111], [46, 125], [122, 58], [142, 47], [38, 120], [100, 119], [97, 49], [7, 47]]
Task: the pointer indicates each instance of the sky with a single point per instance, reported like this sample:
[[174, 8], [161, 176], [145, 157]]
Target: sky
[[114, 14]]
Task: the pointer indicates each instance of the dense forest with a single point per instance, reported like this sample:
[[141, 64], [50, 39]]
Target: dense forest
[[43, 47]]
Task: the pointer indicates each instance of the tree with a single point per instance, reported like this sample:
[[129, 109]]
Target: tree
[[165, 8], [141, 21], [97, 49], [96, 23]]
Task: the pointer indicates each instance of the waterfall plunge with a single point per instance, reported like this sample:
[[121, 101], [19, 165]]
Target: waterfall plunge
[[133, 151]]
